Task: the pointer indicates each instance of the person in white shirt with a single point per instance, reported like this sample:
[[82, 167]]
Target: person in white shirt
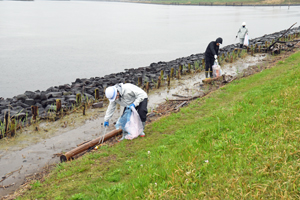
[[242, 33], [126, 95]]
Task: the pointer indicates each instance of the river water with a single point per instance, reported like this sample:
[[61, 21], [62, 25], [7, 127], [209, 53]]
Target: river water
[[49, 43]]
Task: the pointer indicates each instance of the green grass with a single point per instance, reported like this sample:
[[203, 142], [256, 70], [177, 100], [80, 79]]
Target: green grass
[[240, 142]]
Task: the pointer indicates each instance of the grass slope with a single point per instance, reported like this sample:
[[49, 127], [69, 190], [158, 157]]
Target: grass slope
[[241, 141]]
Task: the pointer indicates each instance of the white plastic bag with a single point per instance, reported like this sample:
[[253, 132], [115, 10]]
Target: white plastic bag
[[246, 40], [216, 70], [134, 127]]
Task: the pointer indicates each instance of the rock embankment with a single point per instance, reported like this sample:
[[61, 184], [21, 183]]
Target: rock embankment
[[20, 105]]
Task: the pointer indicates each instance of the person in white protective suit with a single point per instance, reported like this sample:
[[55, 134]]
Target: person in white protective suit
[[242, 33], [126, 95]]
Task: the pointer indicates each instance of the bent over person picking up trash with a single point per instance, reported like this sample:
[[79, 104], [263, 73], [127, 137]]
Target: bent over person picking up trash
[[128, 96]]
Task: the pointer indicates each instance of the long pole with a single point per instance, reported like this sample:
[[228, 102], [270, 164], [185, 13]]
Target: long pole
[[280, 37], [86, 146]]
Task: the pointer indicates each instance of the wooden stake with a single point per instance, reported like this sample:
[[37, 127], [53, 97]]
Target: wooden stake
[[78, 99], [140, 81], [6, 123], [168, 79], [158, 83], [203, 63], [58, 105], [147, 87], [97, 96], [13, 127], [34, 112], [162, 74], [172, 72]]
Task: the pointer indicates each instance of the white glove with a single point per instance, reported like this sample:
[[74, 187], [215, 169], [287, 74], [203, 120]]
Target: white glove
[[216, 56]]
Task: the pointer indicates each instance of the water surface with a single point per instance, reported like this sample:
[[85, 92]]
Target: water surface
[[49, 43]]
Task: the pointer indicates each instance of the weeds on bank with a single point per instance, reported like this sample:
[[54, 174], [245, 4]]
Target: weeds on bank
[[240, 142]]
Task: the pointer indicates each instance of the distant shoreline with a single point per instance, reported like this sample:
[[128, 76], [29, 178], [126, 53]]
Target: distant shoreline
[[188, 4], [213, 4]]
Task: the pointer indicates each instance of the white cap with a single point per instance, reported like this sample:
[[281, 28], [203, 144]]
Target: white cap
[[111, 93], [244, 24]]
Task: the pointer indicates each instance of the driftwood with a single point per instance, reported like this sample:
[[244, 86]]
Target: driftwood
[[9, 174], [209, 80], [6, 186], [185, 99], [180, 105], [176, 95], [280, 37]]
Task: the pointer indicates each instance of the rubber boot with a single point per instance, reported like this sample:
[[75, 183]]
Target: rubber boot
[[124, 133], [206, 74], [143, 134], [241, 45], [211, 74]]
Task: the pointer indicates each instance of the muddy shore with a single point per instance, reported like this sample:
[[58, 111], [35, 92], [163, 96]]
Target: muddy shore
[[22, 158], [19, 106]]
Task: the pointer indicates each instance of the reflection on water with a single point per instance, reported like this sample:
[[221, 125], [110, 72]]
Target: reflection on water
[[48, 43]]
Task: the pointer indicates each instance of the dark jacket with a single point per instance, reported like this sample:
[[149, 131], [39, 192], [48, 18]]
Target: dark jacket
[[212, 48]]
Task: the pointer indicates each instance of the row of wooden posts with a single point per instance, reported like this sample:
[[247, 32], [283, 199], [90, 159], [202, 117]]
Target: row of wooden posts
[[252, 49], [34, 109]]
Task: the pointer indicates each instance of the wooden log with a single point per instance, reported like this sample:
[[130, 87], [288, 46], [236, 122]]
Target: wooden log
[[98, 105], [185, 99], [88, 145], [176, 95], [180, 105]]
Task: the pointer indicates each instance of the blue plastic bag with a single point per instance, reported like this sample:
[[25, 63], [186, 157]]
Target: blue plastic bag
[[123, 119]]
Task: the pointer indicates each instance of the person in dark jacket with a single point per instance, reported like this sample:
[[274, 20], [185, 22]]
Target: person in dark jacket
[[211, 54]]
